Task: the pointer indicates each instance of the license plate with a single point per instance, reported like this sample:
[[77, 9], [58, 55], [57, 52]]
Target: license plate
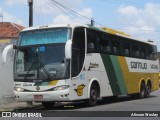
[[38, 96]]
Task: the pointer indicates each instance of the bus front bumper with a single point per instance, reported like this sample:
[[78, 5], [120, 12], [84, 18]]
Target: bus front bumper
[[62, 95]]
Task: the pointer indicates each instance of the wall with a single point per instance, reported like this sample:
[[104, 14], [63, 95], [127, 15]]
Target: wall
[[6, 78]]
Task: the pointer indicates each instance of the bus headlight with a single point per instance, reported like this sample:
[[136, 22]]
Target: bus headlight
[[61, 87], [18, 89]]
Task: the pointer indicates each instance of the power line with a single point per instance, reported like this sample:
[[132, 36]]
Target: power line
[[36, 12], [68, 12], [63, 11], [72, 11], [76, 13]]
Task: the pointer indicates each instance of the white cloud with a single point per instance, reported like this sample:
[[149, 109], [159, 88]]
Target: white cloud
[[62, 19], [49, 7], [7, 17], [86, 12], [141, 23], [45, 7]]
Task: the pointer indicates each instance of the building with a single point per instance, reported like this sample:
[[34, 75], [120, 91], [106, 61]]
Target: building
[[9, 32]]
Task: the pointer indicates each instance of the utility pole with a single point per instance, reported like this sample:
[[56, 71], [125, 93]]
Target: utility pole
[[30, 3], [1, 15]]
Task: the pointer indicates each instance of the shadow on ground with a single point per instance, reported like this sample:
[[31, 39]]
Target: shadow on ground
[[78, 105]]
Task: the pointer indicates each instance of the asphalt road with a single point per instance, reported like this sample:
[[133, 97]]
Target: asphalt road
[[123, 103]]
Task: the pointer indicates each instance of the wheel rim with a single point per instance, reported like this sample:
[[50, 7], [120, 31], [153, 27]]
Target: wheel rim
[[142, 91], [93, 95], [148, 89]]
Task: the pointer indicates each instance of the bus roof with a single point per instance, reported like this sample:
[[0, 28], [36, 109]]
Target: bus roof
[[102, 29], [54, 26]]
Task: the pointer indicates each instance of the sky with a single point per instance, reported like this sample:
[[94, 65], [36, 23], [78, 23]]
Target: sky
[[138, 18]]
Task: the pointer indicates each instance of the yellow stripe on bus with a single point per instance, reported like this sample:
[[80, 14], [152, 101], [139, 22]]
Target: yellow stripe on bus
[[52, 83], [133, 79]]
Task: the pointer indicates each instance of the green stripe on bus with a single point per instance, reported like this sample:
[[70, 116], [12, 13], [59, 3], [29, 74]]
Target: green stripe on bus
[[119, 75], [111, 74]]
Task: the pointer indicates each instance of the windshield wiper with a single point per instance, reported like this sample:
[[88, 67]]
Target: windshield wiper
[[45, 71], [29, 70], [35, 55]]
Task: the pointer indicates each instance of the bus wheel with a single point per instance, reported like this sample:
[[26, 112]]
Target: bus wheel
[[48, 105], [93, 96], [142, 91], [147, 90]]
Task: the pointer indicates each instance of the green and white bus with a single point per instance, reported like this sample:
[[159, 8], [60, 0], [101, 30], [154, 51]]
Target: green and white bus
[[74, 62]]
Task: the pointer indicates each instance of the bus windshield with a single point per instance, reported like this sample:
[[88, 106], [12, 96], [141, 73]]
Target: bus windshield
[[44, 60]]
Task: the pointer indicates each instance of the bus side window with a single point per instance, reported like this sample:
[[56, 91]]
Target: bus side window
[[135, 50], [90, 41], [105, 49], [93, 41], [143, 51], [125, 47], [105, 44], [126, 52], [114, 50], [91, 48], [152, 52], [155, 55], [116, 47]]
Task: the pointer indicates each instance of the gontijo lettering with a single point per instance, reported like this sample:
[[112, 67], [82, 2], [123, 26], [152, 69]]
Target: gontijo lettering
[[138, 65]]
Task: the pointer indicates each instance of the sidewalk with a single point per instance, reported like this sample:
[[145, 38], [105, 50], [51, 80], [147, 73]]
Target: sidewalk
[[16, 106]]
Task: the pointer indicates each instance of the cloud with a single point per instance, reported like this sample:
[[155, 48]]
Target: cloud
[[86, 12], [141, 23], [70, 3], [49, 7], [45, 7], [7, 17], [62, 19]]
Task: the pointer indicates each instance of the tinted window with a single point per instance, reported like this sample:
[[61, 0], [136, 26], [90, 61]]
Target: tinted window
[[115, 45], [93, 41], [78, 51], [105, 44], [135, 50], [126, 51]]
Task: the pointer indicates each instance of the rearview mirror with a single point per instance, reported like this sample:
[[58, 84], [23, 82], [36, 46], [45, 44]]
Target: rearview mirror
[[68, 49], [5, 52]]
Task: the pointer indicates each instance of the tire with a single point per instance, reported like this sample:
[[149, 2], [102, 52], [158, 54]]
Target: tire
[[141, 95], [147, 90], [48, 105], [92, 101]]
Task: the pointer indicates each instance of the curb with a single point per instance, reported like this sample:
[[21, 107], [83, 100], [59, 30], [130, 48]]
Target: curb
[[17, 106], [7, 99]]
